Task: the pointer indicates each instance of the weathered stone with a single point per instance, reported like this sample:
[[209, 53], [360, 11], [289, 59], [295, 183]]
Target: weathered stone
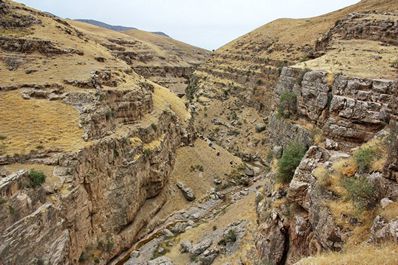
[[185, 246], [277, 151], [383, 230], [200, 247], [161, 261], [385, 202], [186, 191], [260, 127]]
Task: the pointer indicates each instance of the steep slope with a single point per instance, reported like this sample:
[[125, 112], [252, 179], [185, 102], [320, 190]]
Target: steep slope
[[159, 58], [245, 72], [85, 144], [310, 98]]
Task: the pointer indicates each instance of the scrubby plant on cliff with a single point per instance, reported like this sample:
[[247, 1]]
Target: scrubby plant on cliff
[[289, 161], [361, 191], [191, 88], [36, 178], [364, 157], [287, 104]]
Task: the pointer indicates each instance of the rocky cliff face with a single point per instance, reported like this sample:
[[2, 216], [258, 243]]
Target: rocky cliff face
[[331, 114], [88, 151], [330, 87]]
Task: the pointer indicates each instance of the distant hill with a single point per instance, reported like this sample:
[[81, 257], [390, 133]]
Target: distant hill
[[114, 27]]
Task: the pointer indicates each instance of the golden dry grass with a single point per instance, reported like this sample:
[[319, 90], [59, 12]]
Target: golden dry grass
[[390, 212], [359, 255], [357, 58], [201, 182], [47, 170], [164, 98], [38, 124], [164, 50], [290, 35]]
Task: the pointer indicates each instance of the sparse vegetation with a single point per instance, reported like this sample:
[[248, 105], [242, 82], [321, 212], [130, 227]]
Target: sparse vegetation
[[291, 158], [147, 152], [394, 64], [107, 245], [192, 88], [361, 191], [109, 114], [323, 179], [197, 168], [36, 178], [287, 105], [364, 158], [229, 237], [154, 126]]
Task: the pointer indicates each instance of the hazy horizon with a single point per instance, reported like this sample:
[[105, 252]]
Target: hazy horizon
[[208, 24]]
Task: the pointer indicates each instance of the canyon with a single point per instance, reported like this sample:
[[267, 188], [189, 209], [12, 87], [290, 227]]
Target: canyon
[[130, 147]]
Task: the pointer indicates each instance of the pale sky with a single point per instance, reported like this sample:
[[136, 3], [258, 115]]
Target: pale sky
[[204, 23]]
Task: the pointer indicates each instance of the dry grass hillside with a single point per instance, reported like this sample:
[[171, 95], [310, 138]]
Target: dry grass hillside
[[161, 59], [245, 71], [286, 39], [160, 50]]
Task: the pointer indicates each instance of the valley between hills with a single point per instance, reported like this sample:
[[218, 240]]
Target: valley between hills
[[121, 146]]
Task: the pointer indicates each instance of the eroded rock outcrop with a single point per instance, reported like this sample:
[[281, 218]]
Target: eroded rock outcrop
[[347, 109]]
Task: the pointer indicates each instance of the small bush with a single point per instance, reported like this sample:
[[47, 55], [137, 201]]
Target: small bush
[[154, 126], [287, 105], [289, 161], [229, 237], [36, 178], [147, 152], [109, 114], [364, 158], [2, 137], [192, 88], [84, 257], [361, 191]]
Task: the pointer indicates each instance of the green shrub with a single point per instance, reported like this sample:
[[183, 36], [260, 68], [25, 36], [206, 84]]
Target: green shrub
[[229, 237], [109, 114], [361, 191], [289, 161], [84, 257], [364, 157], [287, 104], [154, 126], [147, 152], [36, 178], [192, 88]]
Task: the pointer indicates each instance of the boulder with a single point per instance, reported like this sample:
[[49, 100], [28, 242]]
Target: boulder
[[200, 247], [186, 191], [277, 151], [260, 127]]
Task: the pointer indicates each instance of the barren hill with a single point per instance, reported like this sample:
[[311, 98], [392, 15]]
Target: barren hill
[[161, 59]]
